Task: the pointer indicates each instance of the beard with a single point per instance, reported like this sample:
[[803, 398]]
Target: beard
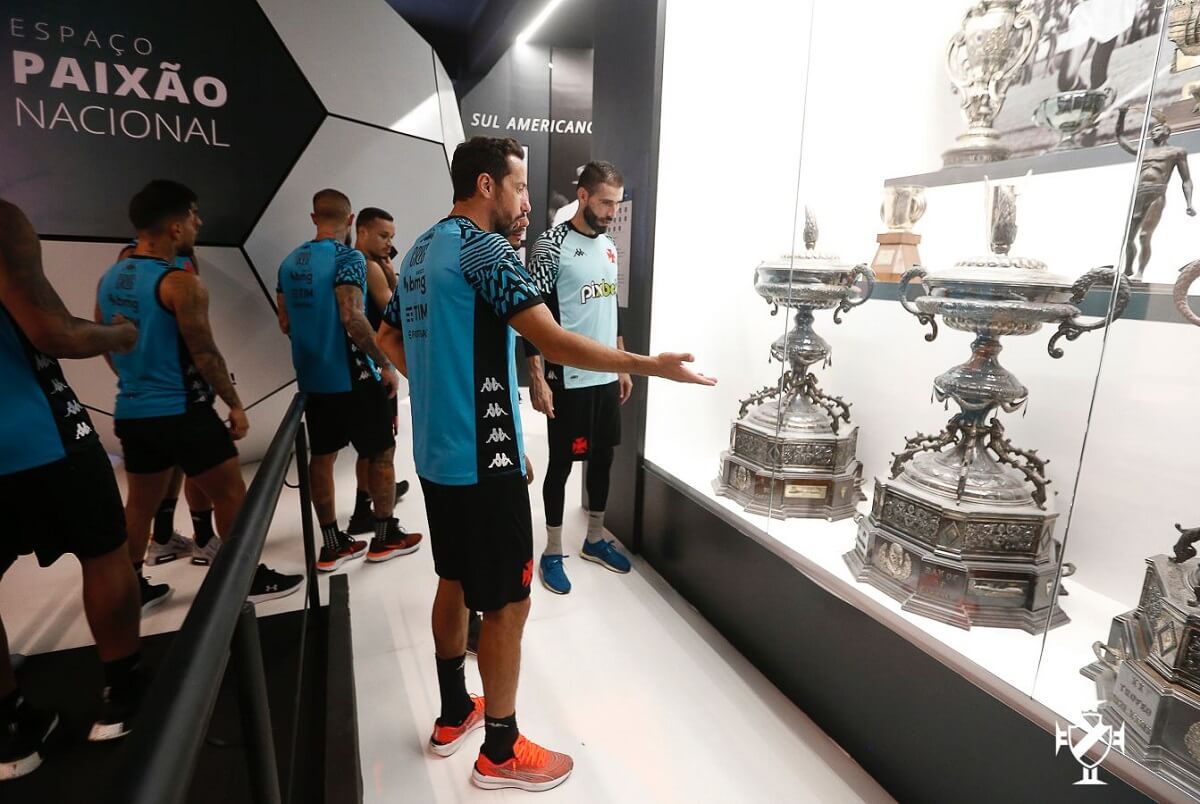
[[593, 222]]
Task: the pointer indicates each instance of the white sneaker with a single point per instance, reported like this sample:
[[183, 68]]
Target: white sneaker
[[204, 556], [177, 547]]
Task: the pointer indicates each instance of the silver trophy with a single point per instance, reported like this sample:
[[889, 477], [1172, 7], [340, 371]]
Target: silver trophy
[[1187, 276], [903, 205], [960, 532], [997, 38], [792, 449], [1147, 674], [1072, 113]]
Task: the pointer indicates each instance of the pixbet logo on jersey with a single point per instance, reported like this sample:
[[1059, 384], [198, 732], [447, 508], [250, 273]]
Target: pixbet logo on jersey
[[597, 290]]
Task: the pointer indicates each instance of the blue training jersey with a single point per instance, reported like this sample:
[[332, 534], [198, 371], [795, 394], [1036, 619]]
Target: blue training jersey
[[459, 286], [41, 419], [325, 359], [157, 378]]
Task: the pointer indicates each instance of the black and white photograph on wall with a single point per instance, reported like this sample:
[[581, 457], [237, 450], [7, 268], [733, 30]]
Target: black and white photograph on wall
[[1106, 48]]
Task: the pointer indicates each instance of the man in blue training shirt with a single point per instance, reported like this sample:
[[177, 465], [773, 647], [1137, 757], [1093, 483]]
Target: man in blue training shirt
[[321, 297], [61, 489], [449, 327], [574, 265], [164, 415]]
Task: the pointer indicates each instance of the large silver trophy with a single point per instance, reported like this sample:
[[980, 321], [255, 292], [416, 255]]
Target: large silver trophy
[[1148, 673], [960, 532], [997, 38], [792, 449]]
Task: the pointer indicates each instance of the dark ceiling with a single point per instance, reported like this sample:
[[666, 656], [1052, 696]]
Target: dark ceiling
[[470, 36]]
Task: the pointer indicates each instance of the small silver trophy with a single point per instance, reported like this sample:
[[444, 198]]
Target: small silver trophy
[[1072, 113], [902, 207], [960, 532], [997, 38], [789, 454]]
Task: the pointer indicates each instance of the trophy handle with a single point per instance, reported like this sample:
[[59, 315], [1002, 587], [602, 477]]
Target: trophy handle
[[1187, 275], [1108, 656], [1074, 327], [1032, 25], [954, 62], [916, 207], [859, 272], [917, 272]]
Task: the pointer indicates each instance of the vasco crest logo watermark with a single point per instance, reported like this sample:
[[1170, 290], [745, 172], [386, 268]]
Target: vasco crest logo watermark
[[1095, 732]]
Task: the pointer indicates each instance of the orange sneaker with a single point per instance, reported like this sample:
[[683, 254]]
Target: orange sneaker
[[445, 740], [532, 768], [398, 542]]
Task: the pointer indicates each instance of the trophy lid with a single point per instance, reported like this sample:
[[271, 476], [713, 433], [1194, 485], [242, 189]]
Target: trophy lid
[[808, 261]]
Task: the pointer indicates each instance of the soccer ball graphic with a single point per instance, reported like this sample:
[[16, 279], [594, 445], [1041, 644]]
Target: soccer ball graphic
[[344, 95]]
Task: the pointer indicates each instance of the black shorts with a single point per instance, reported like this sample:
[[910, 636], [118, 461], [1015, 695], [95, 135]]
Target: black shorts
[[584, 418], [362, 417], [195, 441], [482, 537], [70, 506]]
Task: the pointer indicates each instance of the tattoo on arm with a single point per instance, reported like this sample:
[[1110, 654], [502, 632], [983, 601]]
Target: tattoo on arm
[[350, 306], [189, 301]]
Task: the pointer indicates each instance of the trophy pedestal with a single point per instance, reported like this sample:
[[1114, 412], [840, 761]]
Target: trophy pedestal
[[815, 476], [975, 148], [963, 563], [896, 254], [1148, 673]]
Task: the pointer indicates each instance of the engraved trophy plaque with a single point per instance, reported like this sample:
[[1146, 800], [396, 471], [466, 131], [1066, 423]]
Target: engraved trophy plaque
[[792, 450], [997, 38], [902, 207], [960, 531], [1147, 675]]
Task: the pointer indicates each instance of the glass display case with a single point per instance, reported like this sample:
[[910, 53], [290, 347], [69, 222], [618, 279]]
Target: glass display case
[[988, 437]]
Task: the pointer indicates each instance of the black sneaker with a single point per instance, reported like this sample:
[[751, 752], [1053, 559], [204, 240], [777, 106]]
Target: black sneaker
[[21, 739], [269, 584], [474, 624], [153, 594], [401, 489], [119, 710], [398, 542], [361, 522]]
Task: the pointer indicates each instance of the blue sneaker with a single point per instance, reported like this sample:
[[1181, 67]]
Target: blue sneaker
[[606, 555], [554, 577]]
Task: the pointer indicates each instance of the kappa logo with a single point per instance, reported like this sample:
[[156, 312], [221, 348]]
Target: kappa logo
[[57, 387], [579, 252], [74, 408], [82, 429], [44, 362], [497, 436], [490, 385], [364, 374], [597, 290], [494, 411], [551, 375], [500, 461]]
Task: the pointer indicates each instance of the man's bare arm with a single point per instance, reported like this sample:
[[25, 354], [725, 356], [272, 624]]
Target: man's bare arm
[[350, 307], [1185, 173], [35, 306], [377, 285], [98, 317], [281, 314], [186, 296], [566, 348], [391, 341]]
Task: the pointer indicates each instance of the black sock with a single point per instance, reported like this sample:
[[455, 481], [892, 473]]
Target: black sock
[[8, 705], [362, 503], [164, 520], [501, 734], [381, 527], [121, 676], [202, 529], [330, 534], [452, 682]]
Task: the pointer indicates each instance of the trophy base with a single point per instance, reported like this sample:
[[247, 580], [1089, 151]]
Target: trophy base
[[815, 476], [897, 253], [962, 564], [975, 149], [1161, 721]]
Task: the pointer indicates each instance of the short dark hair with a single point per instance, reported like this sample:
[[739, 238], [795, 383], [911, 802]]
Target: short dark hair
[[596, 173], [367, 215], [331, 205], [158, 203], [480, 155]]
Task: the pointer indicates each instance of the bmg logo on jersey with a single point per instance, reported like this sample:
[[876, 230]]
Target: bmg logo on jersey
[[414, 284], [597, 290]]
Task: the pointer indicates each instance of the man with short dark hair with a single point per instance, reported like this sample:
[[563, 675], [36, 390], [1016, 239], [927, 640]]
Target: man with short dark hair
[[164, 415], [449, 327], [374, 230], [574, 265], [321, 295], [61, 493]]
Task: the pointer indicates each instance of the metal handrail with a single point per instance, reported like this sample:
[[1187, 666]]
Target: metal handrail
[[160, 754]]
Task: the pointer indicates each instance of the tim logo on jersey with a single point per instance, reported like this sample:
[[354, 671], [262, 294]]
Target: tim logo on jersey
[[597, 290]]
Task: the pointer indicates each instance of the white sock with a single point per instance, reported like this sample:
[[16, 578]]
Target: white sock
[[595, 531], [553, 541]]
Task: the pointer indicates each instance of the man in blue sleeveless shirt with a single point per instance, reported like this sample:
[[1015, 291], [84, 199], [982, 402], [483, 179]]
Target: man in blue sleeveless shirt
[[62, 489], [449, 328], [164, 414], [321, 297]]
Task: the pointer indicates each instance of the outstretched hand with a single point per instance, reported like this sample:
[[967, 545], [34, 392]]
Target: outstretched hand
[[671, 367]]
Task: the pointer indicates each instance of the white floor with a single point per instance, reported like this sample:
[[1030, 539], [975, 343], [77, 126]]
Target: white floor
[[650, 701]]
